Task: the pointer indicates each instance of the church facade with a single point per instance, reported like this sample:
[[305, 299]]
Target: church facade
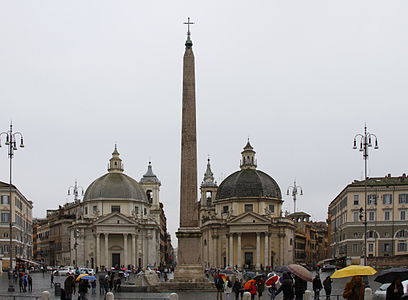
[[119, 222], [241, 219]]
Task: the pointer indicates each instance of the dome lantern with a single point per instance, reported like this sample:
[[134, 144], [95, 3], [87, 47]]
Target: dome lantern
[[115, 163], [248, 160]]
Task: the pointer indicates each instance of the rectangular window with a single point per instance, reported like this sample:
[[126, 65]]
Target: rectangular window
[[86, 210], [136, 210], [371, 216], [145, 211], [355, 216], [370, 247], [387, 199], [402, 246], [387, 215], [94, 208], [115, 208], [5, 217], [355, 248], [225, 209], [387, 247], [372, 199], [272, 208], [402, 215], [356, 200], [248, 207], [403, 198], [5, 199]]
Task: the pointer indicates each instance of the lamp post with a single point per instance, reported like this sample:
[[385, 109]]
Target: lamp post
[[75, 191], [11, 142], [295, 192], [365, 142]]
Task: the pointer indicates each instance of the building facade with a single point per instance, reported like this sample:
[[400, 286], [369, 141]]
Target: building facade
[[386, 214], [311, 240], [241, 220], [22, 239], [119, 222]]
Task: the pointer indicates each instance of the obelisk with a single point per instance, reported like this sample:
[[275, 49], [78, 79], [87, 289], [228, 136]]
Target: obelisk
[[189, 267]]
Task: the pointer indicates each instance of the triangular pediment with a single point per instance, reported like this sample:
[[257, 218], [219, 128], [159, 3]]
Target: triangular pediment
[[115, 218], [249, 218]]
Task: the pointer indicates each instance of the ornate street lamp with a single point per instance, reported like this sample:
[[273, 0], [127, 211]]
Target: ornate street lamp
[[75, 191], [295, 192], [11, 141], [365, 142]]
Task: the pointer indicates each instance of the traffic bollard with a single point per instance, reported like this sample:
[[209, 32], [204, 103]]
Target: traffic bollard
[[174, 296], [246, 296], [110, 296], [368, 294], [45, 295]]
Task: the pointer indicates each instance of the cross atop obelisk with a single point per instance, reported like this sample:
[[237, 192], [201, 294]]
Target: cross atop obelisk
[[188, 23]]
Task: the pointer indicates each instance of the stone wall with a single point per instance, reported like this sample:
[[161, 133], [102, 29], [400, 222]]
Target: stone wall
[[388, 261]]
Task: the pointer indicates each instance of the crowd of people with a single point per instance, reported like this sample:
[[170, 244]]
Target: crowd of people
[[25, 281]]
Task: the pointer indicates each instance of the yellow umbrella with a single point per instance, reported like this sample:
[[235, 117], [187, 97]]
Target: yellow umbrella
[[80, 276], [354, 270]]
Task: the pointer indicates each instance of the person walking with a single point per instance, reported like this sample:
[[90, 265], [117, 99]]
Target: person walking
[[25, 283], [317, 286], [30, 283], [83, 289], [260, 287], [228, 289], [236, 288], [395, 290], [20, 283], [327, 285], [272, 291], [354, 289], [300, 288], [93, 286], [69, 287], [52, 279], [286, 287], [219, 285], [252, 290]]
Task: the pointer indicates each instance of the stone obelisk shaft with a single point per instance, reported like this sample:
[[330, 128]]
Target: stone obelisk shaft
[[188, 184], [189, 267]]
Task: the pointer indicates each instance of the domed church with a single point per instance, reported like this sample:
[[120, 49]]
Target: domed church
[[119, 221], [241, 219]]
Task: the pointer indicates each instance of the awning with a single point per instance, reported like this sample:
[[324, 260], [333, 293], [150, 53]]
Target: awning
[[28, 261]]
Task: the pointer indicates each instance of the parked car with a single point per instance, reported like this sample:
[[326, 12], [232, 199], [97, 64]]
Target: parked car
[[83, 270], [382, 290], [63, 271]]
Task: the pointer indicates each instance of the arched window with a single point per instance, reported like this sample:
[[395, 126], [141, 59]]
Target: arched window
[[149, 194], [371, 234], [208, 196], [402, 234]]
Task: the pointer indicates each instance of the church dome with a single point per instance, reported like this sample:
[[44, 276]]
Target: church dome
[[115, 184], [248, 182]]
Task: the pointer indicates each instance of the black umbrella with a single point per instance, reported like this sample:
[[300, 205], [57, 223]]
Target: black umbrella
[[227, 272], [389, 275], [281, 269], [249, 275]]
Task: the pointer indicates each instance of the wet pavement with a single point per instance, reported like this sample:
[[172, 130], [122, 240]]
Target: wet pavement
[[43, 283]]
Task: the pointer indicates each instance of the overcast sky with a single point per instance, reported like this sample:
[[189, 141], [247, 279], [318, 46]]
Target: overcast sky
[[299, 78]]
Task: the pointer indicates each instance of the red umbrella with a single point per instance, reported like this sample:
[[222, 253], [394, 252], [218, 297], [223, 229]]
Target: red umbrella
[[271, 280], [247, 284], [301, 272]]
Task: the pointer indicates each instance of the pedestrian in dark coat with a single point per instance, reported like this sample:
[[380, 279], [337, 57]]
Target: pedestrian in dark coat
[[52, 279], [395, 290], [20, 283], [286, 287], [327, 285], [69, 287], [30, 283], [317, 286], [300, 288], [83, 289], [236, 288]]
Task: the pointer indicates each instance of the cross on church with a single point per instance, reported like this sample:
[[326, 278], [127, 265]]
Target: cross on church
[[188, 25]]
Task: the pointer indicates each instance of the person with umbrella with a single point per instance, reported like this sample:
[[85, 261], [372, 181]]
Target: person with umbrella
[[69, 287], [327, 285], [300, 287], [286, 287], [317, 286], [395, 290], [260, 286], [354, 289], [252, 289]]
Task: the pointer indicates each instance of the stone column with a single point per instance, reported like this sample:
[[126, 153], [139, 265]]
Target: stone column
[[107, 250], [266, 250], [258, 250], [231, 249], [215, 251], [98, 251], [125, 249], [134, 250], [239, 251], [226, 249]]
